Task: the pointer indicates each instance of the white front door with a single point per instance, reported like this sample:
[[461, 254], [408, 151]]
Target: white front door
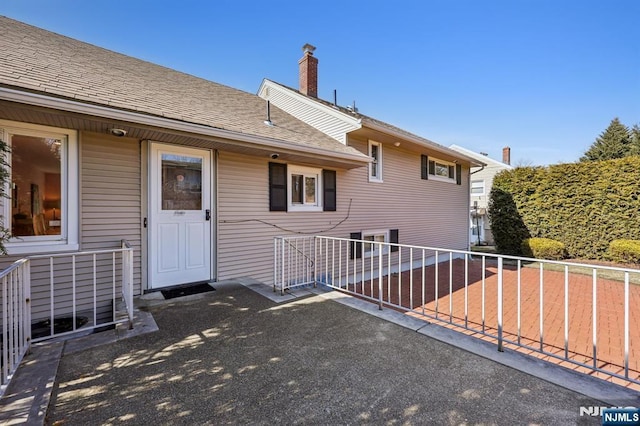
[[180, 231]]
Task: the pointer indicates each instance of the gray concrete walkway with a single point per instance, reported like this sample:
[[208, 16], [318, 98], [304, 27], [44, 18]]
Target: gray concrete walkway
[[235, 357]]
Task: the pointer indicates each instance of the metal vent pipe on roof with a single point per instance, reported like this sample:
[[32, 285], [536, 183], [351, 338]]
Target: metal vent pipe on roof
[[268, 121]]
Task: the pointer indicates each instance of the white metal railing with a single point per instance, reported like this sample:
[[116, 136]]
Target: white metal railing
[[294, 262], [581, 313], [16, 319], [80, 291], [56, 291]]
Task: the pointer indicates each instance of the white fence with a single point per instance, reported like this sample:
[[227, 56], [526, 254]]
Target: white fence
[[587, 315], [54, 295], [16, 318]]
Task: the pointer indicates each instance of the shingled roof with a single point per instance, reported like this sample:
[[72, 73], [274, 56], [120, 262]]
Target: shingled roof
[[42, 62], [365, 121]]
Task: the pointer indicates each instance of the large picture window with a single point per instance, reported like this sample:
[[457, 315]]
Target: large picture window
[[41, 212]]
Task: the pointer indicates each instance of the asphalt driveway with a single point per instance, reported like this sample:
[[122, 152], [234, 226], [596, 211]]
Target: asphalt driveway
[[234, 357]]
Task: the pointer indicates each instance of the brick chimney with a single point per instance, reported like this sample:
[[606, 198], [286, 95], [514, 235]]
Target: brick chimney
[[506, 155], [308, 71]]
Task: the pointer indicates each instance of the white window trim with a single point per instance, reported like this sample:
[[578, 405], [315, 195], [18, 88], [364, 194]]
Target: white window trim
[[442, 178], [305, 171], [481, 194], [375, 251], [69, 240], [380, 156]]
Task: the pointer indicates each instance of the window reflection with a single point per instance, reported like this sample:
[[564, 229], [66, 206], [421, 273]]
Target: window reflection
[[181, 182], [36, 194]]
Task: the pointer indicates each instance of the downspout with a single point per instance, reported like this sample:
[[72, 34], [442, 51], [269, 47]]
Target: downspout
[[479, 170]]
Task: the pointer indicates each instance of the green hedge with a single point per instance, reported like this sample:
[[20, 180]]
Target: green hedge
[[624, 251], [583, 205], [543, 248]]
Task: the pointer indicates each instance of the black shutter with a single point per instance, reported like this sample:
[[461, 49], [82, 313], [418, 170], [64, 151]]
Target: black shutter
[[393, 238], [356, 248], [432, 167], [458, 174], [424, 159], [329, 190], [277, 187]]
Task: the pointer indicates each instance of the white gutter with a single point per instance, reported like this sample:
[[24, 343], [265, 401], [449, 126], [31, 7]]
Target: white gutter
[[66, 105]]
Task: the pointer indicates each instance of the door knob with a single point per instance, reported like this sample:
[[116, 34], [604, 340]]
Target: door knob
[[207, 214]]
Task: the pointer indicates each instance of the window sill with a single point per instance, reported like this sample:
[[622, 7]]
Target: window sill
[[442, 179], [376, 253], [298, 208], [37, 247]]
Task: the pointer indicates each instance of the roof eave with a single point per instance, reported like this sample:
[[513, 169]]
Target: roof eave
[[418, 141], [61, 104], [489, 160]]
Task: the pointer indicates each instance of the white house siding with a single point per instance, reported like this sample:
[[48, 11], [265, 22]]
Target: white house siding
[[426, 212], [245, 245], [331, 125], [110, 195]]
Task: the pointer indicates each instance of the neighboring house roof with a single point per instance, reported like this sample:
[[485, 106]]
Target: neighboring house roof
[[40, 62], [481, 157], [356, 120]]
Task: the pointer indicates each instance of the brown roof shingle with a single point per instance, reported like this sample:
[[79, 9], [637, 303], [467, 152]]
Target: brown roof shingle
[[43, 62]]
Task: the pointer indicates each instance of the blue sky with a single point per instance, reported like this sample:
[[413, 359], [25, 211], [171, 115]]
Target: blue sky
[[544, 77]]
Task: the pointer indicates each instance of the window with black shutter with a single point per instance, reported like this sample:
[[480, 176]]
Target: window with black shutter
[[311, 189], [444, 171]]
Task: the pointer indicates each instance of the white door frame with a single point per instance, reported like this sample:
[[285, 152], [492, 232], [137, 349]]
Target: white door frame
[[154, 215]]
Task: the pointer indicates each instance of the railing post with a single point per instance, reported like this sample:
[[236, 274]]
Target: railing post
[[282, 269], [26, 283], [315, 261], [379, 274], [5, 329], [500, 271], [276, 262], [594, 316], [130, 292], [626, 325]]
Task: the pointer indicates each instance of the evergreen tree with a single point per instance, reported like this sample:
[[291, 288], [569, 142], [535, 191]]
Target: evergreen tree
[[614, 142], [635, 140]]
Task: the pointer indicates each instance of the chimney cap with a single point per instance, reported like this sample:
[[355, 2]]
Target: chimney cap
[[308, 48]]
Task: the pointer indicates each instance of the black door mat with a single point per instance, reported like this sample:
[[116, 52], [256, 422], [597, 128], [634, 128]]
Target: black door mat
[[186, 290]]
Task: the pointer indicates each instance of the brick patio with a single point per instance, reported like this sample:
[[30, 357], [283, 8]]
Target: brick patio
[[610, 310]]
